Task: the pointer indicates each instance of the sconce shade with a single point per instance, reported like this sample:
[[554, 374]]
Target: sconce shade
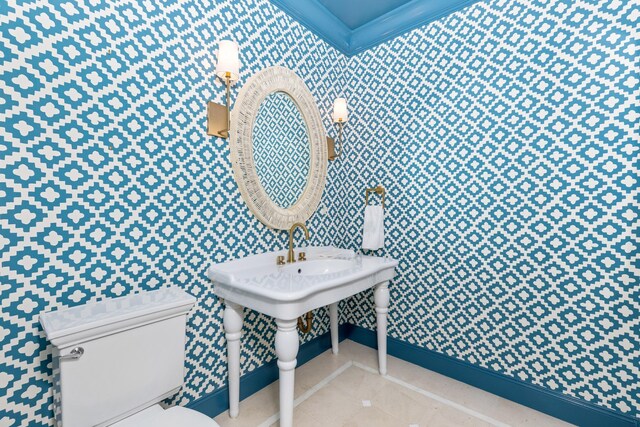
[[228, 61], [340, 112]]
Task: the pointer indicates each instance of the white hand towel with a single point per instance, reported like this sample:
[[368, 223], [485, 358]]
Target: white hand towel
[[373, 231]]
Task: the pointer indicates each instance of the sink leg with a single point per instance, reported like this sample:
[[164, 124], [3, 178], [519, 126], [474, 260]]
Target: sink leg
[[333, 318], [286, 350], [381, 298], [233, 316]]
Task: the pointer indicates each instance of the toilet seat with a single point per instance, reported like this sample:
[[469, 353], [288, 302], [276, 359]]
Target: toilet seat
[[177, 416]]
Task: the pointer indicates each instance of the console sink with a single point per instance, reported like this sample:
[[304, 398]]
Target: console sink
[[329, 274], [285, 292], [319, 267]]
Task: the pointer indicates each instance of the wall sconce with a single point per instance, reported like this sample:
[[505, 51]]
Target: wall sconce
[[228, 70], [340, 116]]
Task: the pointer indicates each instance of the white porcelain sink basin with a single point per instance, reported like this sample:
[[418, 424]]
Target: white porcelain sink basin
[[285, 292], [318, 267]]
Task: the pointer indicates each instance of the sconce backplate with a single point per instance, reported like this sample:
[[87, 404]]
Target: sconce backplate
[[217, 120], [331, 147]]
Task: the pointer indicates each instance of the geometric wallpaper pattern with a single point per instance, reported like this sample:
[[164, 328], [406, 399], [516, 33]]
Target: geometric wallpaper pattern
[[281, 149], [507, 137], [109, 183]]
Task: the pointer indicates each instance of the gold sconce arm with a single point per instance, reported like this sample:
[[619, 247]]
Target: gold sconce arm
[[340, 115], [339, 140], [227, 80]]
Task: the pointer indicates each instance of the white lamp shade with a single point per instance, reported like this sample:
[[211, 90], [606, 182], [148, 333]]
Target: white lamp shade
[[340, 113], [228, 61]]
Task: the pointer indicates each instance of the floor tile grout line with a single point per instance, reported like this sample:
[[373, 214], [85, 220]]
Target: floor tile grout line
[[307, 394], [434, 396]]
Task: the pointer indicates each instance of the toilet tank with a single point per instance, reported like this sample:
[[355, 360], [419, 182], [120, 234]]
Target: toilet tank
[[132, 355]]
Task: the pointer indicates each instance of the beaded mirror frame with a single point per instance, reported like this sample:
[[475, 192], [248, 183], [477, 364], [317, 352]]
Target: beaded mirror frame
[[243, 117]]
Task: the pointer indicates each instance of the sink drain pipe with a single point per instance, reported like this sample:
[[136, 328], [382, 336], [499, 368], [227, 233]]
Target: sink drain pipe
[[305, 328]]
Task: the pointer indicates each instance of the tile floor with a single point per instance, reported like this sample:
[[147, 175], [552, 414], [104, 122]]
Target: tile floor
[[346, 390]]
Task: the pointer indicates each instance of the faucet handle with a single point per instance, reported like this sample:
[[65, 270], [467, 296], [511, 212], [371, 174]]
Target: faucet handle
[[302, 256], [280, 260]]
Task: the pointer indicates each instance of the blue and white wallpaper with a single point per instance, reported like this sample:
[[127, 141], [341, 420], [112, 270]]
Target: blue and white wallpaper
[[507, 136], [109, 183]]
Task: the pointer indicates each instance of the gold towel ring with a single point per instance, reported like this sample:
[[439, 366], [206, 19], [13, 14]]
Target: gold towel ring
[[378, 190]]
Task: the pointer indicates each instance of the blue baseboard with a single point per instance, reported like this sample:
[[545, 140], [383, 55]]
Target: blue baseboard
[[217, 402], [566, 408]]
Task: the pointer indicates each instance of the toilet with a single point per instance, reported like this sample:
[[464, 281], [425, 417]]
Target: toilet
[[114, 361]]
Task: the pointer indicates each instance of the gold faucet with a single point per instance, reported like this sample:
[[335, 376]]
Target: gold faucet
[[291, 256]]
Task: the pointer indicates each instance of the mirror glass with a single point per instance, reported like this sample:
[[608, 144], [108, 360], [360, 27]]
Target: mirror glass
[[281, 149]]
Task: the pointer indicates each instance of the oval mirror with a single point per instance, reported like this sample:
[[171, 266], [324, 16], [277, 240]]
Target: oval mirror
[[281, 149], [278, 148]]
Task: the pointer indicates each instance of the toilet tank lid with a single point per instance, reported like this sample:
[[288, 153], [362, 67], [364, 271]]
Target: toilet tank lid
[[87, 321]]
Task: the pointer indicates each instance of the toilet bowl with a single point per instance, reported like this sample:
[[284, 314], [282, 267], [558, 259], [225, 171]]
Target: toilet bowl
[[115, 360], [177, 416]]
